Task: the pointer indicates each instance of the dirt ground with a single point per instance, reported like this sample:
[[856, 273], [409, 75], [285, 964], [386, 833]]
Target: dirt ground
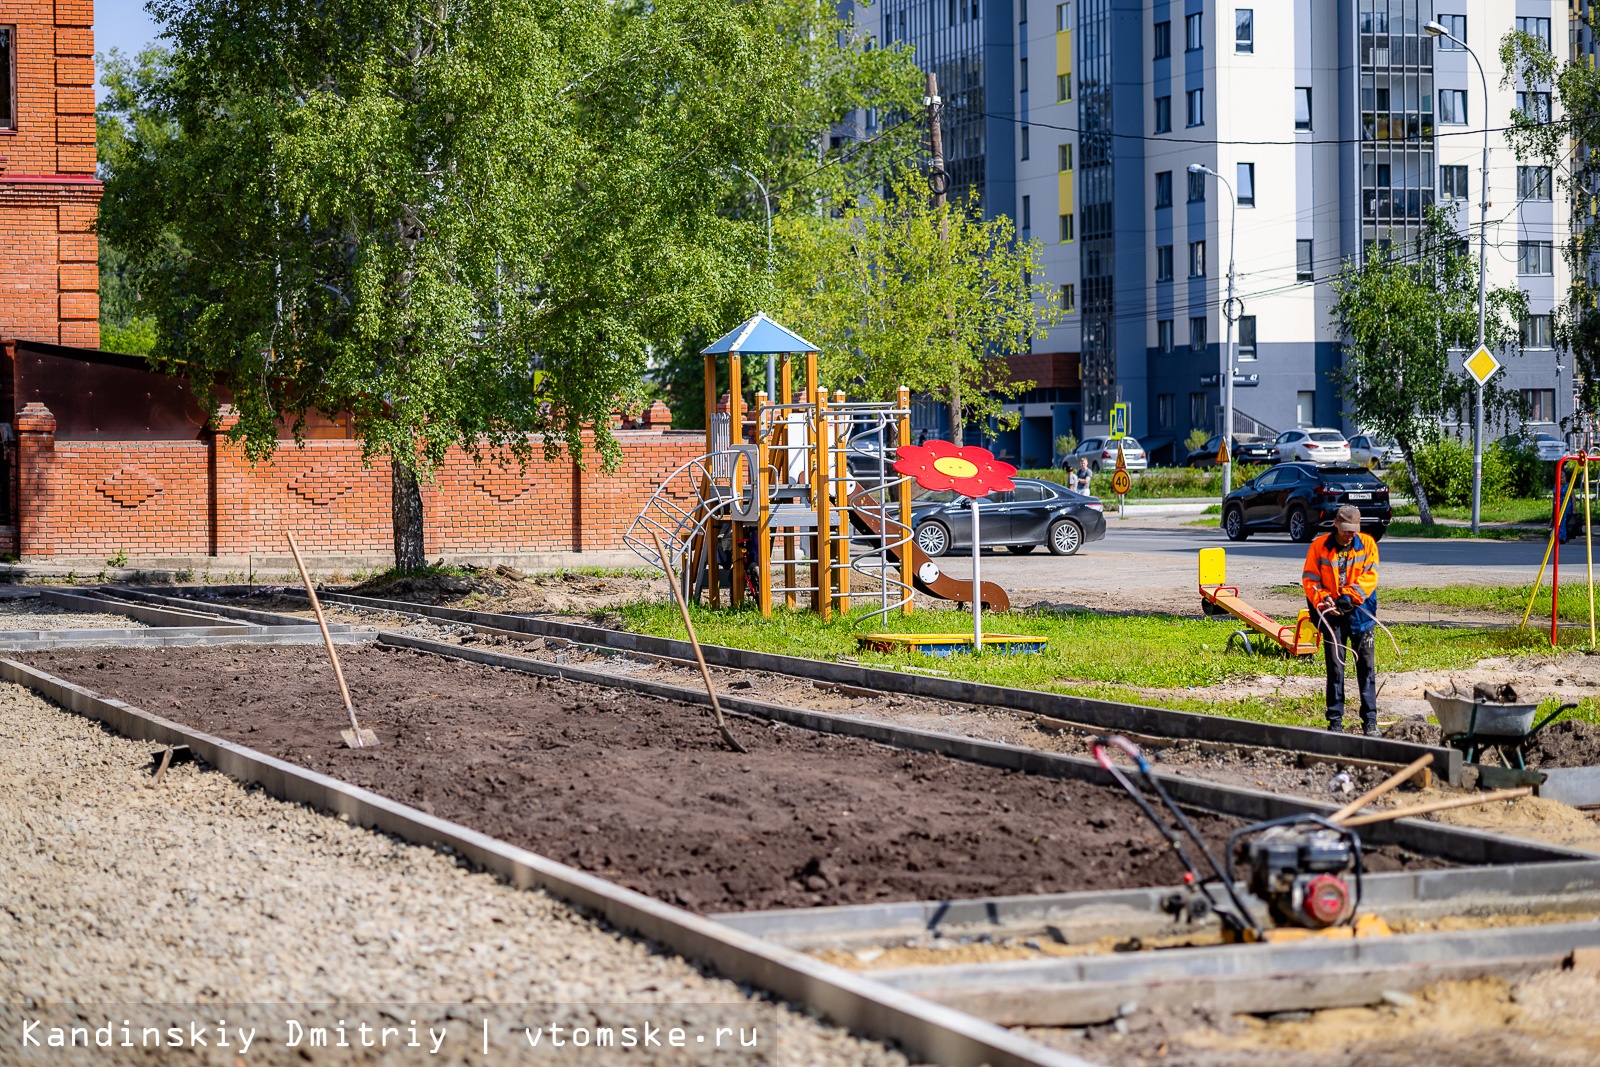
[[487, 590], [642, 791], [1551, 1019]]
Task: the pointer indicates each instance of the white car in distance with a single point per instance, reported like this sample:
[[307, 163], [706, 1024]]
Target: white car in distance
[[1312, 444]]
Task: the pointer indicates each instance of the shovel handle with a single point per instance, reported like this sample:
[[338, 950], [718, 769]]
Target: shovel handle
[[327, 638], [1385, 786]]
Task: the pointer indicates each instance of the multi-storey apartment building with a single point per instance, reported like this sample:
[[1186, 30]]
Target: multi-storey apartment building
[[1336, 124]]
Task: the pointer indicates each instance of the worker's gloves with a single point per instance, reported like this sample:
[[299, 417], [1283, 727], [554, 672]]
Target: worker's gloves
[[1345, 605]]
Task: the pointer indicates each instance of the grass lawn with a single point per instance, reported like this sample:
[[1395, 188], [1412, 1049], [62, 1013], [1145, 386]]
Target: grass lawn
[[1089, 654], [1510, 599], [1524, 509], [1412, 528]]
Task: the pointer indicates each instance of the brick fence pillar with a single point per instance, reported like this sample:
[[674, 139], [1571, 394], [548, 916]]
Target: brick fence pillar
[[36, 452]]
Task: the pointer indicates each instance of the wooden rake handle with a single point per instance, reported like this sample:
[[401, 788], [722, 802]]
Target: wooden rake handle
[[327, 638], [699, 657], [1380, 789]]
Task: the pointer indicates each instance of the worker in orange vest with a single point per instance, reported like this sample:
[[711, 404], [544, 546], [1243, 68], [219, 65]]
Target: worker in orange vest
[[1341, 585]]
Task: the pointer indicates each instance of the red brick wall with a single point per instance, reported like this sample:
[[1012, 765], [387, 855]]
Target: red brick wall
[[156, 498], [49, 278]]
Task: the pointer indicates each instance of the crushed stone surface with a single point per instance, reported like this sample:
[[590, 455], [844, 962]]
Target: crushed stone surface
[[122, 900], [31, 613]]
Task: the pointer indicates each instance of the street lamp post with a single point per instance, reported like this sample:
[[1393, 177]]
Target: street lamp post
[[1230, 313], [772, 367], [1436, 29]]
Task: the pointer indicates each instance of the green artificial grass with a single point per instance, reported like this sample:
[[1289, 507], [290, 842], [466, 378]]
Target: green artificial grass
[[1089, 654]]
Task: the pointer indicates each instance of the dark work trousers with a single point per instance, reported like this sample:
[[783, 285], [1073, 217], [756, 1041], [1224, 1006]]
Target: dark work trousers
[[1336, 634]]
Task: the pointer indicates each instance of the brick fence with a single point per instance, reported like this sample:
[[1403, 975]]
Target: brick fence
[[94, 498]]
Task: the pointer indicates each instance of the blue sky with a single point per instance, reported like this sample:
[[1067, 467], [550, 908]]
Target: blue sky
[[121, 24]]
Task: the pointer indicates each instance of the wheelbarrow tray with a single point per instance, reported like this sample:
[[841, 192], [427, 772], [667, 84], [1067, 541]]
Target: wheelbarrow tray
[[1464, 716]]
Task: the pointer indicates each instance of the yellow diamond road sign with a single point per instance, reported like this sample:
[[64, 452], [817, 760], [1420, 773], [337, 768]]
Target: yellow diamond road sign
[[1481, 365]]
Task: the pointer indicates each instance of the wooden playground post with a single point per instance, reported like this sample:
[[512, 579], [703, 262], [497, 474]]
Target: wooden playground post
[[785, 398], [903, 402], [839, 443], [820, 488], [735, 439], [764, 523]]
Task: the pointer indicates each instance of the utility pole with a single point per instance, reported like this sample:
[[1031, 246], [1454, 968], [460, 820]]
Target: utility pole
[[939, 184]]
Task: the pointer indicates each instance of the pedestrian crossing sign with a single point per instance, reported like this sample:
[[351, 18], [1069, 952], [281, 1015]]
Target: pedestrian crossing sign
[[1481, 365]]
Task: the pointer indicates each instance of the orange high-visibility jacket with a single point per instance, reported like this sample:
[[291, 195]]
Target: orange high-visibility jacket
[[1330, 570]]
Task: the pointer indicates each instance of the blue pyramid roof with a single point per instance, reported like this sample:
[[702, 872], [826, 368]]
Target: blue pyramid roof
[[759, 336]]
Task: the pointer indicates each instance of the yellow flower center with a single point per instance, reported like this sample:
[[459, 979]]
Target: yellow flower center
[[955, 467]]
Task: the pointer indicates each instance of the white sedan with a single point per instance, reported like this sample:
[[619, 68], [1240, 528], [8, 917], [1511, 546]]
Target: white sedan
[[1374, 453], [1311, 445]]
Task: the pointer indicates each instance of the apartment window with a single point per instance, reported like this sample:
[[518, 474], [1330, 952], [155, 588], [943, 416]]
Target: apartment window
[[1535, 257], [1197, 106], [1063, 16], [1166, 409], [1200, 410], [1193, 32], [1063, 88], [1244, 29], [1536, 331], [1164, 188], [1027, 214], [1163, 114], [8, 77], [1453, 107], [1302, 107], [1197, 259], [1453, 182], [1164, 339], [1069, 298], [1303, 271], [1163, 41], [1305, 408], [1025, 142], [1197, 187], [1067, 233], [1541, 404], [1064, 157], [1197, 333], [1245, 185], [1163, 263], [1247, 338], [1533, 183], [1534, 105], [1538, 29], [1457, 25]]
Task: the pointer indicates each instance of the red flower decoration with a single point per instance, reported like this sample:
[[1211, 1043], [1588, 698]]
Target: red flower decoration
[[941, 465]]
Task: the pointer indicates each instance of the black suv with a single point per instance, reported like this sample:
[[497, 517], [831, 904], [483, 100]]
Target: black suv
[[1302, 499]]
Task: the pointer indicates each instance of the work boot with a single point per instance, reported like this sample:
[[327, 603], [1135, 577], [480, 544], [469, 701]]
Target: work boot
[[1369, 726], [1336, 725]]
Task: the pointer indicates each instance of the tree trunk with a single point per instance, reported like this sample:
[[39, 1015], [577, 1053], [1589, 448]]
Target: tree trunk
[[405, 498], [957, 419], [1419, 494]]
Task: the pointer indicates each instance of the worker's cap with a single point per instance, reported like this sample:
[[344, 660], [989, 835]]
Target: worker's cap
[[1348, 518]]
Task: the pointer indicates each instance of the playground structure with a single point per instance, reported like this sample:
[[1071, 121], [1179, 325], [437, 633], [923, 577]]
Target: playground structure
[[1586, 457], [1217, 597], [772, 509]]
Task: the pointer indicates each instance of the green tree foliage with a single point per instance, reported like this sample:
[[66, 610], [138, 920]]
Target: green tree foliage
[[122, 119], [898, 292], [1568, 142], [1401, 315], [466, 222]]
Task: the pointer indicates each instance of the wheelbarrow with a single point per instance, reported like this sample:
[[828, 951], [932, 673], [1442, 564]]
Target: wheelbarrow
[[1476, 725]]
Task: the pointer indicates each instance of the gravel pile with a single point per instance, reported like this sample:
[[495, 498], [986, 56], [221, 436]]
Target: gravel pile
[[198, 901], [31, 613]]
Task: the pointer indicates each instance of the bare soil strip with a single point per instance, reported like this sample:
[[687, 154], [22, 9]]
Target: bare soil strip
[[643, 791]]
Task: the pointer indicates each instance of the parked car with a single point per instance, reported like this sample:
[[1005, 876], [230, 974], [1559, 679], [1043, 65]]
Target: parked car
[[1034, 513], [1102, 453], [1302, 498], [1313, 444], [1374, 453], [1246, 448]]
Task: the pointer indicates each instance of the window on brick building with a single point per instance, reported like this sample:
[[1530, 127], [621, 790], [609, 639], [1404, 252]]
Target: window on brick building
[[8, 77]]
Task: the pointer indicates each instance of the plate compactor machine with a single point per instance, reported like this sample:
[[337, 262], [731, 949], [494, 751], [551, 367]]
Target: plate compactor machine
[[1306, 869]]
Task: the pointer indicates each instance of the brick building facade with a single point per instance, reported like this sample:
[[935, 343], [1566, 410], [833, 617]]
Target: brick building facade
[[49, 277]]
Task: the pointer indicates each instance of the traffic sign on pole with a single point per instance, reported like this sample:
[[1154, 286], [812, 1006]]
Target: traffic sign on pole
[[1481, 365], [1119, 420]]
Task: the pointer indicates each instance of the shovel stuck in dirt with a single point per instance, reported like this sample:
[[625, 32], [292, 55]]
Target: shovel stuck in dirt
[[355, 737]]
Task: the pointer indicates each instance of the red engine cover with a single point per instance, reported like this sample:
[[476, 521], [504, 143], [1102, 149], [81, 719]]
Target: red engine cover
[[1327, 900]]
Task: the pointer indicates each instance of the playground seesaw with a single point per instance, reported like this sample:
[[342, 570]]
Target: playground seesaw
[[1217, 597]]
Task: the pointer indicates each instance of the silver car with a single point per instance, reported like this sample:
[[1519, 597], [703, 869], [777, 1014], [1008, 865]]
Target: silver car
[[1314, 444], [1102, 454], [1374, 453]]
